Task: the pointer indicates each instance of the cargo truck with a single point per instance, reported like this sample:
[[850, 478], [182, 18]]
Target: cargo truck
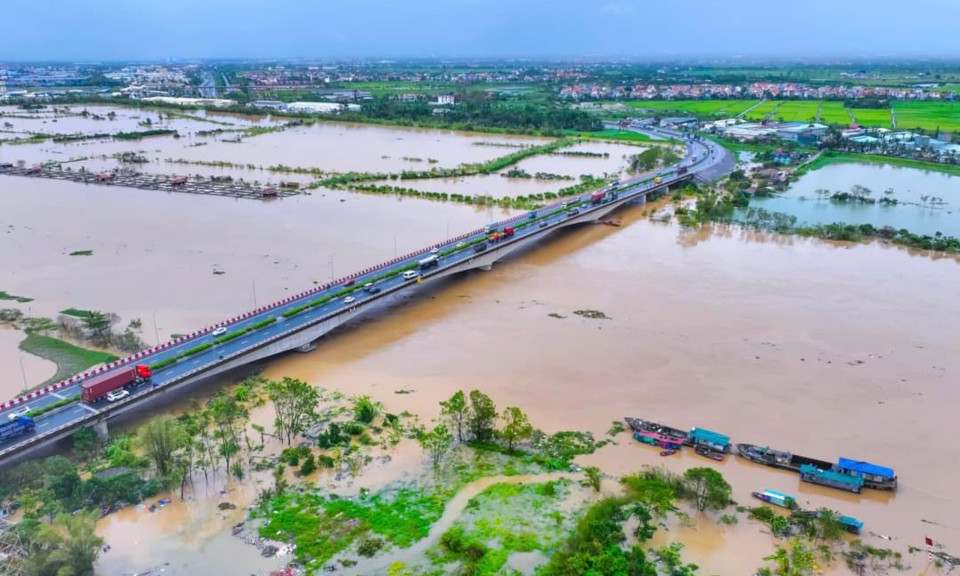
[[596, 197], [428, 262], [97, 388], [16, 427]]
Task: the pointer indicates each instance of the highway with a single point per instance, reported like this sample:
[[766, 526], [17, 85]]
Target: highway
[[292, 315]]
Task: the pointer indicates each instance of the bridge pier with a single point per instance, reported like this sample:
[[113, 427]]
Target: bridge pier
[[103, 433], [310, 347]]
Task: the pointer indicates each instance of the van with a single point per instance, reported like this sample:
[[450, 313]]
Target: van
[[478, 248], [410, 274]]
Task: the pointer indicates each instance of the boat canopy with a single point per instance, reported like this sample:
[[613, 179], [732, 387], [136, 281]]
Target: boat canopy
[[702, 435], [858, 467], [851, 521], [830, 475]]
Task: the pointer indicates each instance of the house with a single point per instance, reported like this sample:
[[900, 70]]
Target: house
[[446, 100], [268, 104]]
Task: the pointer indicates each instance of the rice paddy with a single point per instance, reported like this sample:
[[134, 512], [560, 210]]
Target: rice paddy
[[928, 115], [797, 111], [872, 117], [698, 108], [763, 110]]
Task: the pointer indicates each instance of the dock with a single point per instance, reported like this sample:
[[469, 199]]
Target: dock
[[209, 186]]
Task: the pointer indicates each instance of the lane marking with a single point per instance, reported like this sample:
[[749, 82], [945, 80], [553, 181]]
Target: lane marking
[[83, 405], [57, 395]]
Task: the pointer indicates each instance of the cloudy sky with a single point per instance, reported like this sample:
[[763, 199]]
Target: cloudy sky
[[158, 29]]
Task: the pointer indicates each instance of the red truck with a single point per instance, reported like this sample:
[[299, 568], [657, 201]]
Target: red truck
[[507, 232], [596, 197], [96, 388], [178, 181]]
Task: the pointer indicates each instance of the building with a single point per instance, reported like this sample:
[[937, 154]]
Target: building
[[446, 100], [808, 133], [268, 104], [315, 107]]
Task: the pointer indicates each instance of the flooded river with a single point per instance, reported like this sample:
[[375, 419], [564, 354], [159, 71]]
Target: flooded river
[[915, 190]]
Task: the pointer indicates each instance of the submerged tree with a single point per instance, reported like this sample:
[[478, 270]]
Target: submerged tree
[[708, 488], [457, 411], [160, 438], [516, 426], [436, 442], [295, 404], [483, 416]]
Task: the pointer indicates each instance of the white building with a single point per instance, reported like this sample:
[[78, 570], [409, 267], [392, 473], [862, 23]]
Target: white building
[[315, 107], [446, 100]]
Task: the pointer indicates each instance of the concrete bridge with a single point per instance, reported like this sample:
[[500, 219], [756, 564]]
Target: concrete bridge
[[298, 322]]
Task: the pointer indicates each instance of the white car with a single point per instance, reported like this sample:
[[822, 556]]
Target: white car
[[349, 300], [117, 395], [18, 412], [219, 331], [435, 251]]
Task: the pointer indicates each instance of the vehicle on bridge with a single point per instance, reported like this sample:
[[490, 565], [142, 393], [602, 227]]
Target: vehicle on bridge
[[16, 427], [18, 412], [597, 197], [410, 274], [478, 248], [98, 387], [508, 232], [428, 262]]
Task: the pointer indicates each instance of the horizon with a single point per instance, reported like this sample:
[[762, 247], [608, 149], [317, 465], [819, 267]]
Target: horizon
[[109, 31]]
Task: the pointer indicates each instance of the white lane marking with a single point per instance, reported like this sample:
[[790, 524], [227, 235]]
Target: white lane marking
[[57, 395], [81, 404]]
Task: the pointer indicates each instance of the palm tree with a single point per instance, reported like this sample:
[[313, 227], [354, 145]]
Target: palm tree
[[72, 543]]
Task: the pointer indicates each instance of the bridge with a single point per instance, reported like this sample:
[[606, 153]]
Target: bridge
[[297, 322]]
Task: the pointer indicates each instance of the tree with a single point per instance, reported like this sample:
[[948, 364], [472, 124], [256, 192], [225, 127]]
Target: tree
[[645, 526], [160, 439], [365, 410], [85, 443], [436, 442], [517, 427], [708, 488], [652, 491], [457, 411], [226, 414], [797, 561], [594, 477], [295, 404], [99, 323], [67, 547], [483, 414]]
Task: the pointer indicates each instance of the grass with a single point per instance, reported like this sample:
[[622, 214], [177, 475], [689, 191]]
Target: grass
[[871, 117], [797, 111], [77, 312], [14, 297], [612, 134], [70, 359], [763, 110], [698, 108], [835, 113], [82, 253], [928, 115]]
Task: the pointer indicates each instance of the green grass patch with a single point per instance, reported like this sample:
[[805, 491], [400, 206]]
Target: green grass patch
[[82, 253], [612, 134], [70, 359], [14, 297], [928, 115], [835, 114], [77, 312], [698, 108], [797, 111], [871, 117], [763, 110]]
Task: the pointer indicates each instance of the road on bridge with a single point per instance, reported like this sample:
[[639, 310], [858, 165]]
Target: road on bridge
[[702, 155]]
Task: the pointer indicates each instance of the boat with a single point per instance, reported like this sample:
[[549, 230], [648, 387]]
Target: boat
[[776, 498], [670, 452], [656, 434], [876, 477], [779, 458], [831, 478], [711, 454], [850, 524], [713, 441]]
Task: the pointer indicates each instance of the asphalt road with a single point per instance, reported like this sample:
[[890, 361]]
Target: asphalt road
[[701, 156]]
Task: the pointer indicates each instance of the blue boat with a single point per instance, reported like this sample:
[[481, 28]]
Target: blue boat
[[703, 438], [776, 498], [877, 477], [831, 478]]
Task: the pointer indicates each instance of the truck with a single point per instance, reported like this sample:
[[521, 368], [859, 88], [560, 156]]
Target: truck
[[16, 427], [96, 389], [508, 232], [428, 262], [657, 180], [178, 181], [681, 170], [596, 197]]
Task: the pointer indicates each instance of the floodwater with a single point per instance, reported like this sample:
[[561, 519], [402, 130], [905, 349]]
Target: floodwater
[[824, 349], [19, 370], [909, 187]]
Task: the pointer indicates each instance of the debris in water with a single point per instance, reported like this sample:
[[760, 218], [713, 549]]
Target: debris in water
[[592, 314], [227, 506], [555, 315]]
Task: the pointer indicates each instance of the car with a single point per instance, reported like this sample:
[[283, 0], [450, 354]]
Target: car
[[478, 248], [410, 274], [349, 300], [369, 288], [565, 204], [573, 211], [350, 282], [435, 251], [219, 331], [117, 395], [18, 413], [543, 224]]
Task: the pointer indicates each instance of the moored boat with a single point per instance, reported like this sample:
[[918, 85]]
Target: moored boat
[[779, 458], [876, 477], [656, 434], [711, 454], [831, 478], [713, 441], [776, 498]]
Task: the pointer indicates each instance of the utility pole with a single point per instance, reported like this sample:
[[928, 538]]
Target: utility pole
[[253, 283], [332, 277], [23, 371], [156, 331]]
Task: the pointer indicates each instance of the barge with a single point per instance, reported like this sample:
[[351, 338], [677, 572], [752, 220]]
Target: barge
[[876, 477], [656, 434], [831, 478], [701, 438], [872, 475]]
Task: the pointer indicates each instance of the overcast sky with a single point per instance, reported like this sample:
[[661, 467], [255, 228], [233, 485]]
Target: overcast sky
[[157, 29]]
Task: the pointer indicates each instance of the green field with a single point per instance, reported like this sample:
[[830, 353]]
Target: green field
[[765, 108], [928, 115], [699, 108], [69, 359], [834, 113], [797, 111], [872, 117]]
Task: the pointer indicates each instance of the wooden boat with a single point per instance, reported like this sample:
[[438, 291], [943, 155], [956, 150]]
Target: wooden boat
[[779, 458], [872, 475], [656, 434], [711, 454]]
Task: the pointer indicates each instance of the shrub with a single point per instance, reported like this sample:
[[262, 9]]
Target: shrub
[[369, 546], [309, 466]]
